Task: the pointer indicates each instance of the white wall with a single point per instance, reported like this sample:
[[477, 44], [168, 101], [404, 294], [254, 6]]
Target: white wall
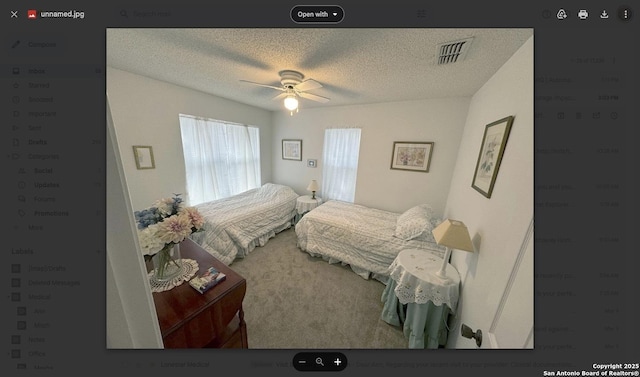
[[438, 120], [497, 224], [145, 112], [131, 317]]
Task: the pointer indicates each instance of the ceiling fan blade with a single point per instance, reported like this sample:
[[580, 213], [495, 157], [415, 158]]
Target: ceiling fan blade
[[309, 84], [280, 96], [266, 86], [313, 97]]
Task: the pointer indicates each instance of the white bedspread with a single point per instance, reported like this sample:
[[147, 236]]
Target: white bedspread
[[356, 235], [236, 225]]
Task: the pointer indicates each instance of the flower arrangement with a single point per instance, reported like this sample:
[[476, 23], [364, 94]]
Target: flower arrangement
[[489, 156], [165, 224]]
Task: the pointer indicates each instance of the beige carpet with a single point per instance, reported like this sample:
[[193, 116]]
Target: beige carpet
[[296, 301]]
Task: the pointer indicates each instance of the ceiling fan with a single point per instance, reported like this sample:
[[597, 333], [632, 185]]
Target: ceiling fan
[[293, 87]]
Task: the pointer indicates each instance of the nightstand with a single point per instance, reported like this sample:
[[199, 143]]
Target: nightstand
[[305, 204], [418, 300], [213, 319]]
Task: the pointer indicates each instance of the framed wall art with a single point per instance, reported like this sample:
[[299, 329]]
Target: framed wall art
[[292, 149], [411, 155], [143, 154], [490, 156]]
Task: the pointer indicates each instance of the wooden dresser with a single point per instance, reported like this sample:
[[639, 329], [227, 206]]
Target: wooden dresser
[[214, 319]]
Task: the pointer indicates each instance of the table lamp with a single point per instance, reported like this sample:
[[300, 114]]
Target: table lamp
[[451, 234], [313, 187]]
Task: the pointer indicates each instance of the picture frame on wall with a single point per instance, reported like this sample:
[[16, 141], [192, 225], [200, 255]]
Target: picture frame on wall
[[490, 156], [412, 155], [143, 155], [292, 149]]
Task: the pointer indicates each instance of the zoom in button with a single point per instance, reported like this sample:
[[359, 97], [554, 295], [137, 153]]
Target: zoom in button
[[317, 14]]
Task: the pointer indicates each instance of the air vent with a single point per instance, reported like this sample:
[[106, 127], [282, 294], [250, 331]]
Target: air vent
[[452, 52]]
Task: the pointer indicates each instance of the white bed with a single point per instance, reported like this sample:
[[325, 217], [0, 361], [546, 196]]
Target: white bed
[[234, 226], [366, 239]]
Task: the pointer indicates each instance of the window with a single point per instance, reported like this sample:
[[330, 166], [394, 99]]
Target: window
[[340, 163], [221, 159]]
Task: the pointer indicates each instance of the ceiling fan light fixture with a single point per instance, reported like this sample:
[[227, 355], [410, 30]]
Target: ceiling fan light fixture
[[293, 87], [291, 102]]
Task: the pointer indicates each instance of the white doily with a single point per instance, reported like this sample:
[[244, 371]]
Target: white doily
[[189, 268], [305, 204], [410, 289], [414, 272]]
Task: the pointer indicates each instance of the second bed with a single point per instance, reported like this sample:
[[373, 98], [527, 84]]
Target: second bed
[[365, 238]]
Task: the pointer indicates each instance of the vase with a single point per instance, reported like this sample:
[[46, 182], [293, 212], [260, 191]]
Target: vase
[[167, 262]]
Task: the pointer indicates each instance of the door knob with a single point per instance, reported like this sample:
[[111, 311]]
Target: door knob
[[468, 333]]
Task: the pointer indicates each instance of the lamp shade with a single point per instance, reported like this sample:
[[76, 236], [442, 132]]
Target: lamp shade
[[313, 186], [453, 234]]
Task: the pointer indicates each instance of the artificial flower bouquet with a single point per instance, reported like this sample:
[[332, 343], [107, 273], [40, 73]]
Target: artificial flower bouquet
[[165, 224]]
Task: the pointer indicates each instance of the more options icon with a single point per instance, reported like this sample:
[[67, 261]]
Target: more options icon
[[625, 13]]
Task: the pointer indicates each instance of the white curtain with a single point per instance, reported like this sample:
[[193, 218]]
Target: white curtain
[[340, 163], [221, 159]]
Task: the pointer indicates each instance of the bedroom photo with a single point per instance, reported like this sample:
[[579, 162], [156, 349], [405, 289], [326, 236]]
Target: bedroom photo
[[251, 202]]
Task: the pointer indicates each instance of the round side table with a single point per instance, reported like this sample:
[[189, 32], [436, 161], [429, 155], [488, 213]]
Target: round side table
[[428, 298], [305, 204]]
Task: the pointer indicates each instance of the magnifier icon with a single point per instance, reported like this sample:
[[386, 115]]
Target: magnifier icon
[[319, 361], [123, 13]]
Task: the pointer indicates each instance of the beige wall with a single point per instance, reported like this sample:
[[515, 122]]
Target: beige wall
[[438, 120], [145, 112]]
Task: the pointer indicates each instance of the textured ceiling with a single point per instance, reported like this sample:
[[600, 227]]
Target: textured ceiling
[[355, 66]]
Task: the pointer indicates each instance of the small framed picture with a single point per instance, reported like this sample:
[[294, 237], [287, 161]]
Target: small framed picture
[[143, 155], [292, 149], [312, 163], [411, 155]]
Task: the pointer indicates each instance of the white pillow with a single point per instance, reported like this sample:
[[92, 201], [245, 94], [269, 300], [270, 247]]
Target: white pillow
[[415, 223]]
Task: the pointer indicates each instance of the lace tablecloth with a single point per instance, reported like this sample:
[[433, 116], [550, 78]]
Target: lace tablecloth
[[189, 269], [305, 204], [415, 274]]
